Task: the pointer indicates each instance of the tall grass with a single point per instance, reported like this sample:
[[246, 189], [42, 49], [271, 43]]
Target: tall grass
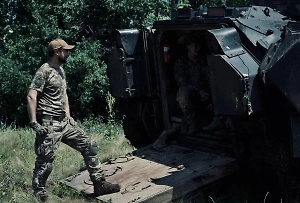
[[17, 160]]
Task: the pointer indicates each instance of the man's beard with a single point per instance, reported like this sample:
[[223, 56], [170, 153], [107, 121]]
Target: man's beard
[[62, 60]]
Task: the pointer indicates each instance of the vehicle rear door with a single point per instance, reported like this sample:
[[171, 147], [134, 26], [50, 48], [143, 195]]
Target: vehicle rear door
[[130, 65]]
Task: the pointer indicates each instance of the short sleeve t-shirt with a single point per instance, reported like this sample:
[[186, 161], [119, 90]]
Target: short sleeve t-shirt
[[188, 73], [51, 83]]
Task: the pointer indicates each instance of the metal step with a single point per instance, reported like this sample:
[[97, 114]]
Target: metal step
[[215, 142], [163, 175]]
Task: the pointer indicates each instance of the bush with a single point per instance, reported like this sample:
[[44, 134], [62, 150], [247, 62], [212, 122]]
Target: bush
[[87, 80], [13, 88], [86, 77], [27, 28], [17, 160]]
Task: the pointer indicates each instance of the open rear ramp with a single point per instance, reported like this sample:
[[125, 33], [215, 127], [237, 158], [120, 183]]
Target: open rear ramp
[[149, 175]]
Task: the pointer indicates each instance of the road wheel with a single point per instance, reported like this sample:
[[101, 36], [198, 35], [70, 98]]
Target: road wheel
[[135, 132]]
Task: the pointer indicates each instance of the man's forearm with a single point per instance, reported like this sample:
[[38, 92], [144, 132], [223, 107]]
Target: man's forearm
[[31, 107], [67, 107]]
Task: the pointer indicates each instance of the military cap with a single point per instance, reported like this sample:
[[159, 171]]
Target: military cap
[[59, 43], [188, 39]]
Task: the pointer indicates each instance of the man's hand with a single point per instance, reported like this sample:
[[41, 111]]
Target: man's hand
[[40, 130], [71, 121], [204, 95]]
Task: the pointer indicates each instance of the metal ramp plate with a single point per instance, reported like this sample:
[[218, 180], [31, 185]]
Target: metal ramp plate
[[150, 175]]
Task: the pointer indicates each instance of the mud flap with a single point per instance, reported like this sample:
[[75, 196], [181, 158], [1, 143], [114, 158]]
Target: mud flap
[[150, 175]]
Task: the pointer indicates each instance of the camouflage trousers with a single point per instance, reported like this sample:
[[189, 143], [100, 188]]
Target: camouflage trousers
[[185, 97], [188, 98], [46, 147]]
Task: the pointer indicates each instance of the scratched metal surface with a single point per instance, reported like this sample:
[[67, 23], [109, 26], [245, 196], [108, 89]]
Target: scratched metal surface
[[157, 176]]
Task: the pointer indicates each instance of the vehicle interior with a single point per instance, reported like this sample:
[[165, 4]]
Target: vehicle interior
[[204, 113], [177, 50]]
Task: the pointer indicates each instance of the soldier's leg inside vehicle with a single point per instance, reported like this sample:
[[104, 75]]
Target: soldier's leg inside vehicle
[[216, 124], [184, 98], [76, 138]]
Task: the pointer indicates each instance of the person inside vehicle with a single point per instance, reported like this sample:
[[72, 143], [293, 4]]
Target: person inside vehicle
[[192, 77]]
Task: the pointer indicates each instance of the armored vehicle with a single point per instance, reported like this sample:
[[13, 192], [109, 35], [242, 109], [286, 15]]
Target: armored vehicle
[[252, 55]]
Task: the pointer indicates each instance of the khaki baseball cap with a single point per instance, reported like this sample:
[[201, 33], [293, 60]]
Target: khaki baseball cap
[[188, 39], [59, 43]]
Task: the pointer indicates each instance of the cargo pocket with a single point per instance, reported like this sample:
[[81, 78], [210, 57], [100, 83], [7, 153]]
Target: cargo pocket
[[72, 122], [44, 148], [50, 129]]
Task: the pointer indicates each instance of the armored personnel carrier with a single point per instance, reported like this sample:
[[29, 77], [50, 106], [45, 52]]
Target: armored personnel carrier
[[252, 54]]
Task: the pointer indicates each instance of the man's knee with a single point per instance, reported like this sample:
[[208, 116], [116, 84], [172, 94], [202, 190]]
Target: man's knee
[[90, 158], [93, 148], [184, 97], [184, 92], [90, 151]]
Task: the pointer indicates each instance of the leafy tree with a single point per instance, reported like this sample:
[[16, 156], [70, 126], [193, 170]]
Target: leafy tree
[[238, 3], [86, 76], [196, 3], [27, 26]]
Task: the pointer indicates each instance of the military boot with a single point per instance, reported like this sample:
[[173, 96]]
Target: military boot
[[192, 126], [101, 187], [41, 195], [184, 127], [216, 124], [39, 189]]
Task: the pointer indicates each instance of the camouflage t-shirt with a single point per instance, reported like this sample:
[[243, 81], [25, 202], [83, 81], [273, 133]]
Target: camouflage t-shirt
[[51, 83], [194, 75]]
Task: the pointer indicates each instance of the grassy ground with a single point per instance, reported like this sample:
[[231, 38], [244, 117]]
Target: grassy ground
[[17, 162]]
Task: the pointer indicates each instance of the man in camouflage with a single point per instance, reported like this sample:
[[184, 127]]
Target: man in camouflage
[[49, 114], [192, 77]]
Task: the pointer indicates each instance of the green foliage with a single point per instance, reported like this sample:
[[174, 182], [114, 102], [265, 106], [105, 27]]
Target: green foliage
[[17, 160], [238, 3], [196, 3], [125, 13], [27, 29], [183, 4], [13, 82], [14, 163], [87, 79], [27, 26], [96, 125]]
